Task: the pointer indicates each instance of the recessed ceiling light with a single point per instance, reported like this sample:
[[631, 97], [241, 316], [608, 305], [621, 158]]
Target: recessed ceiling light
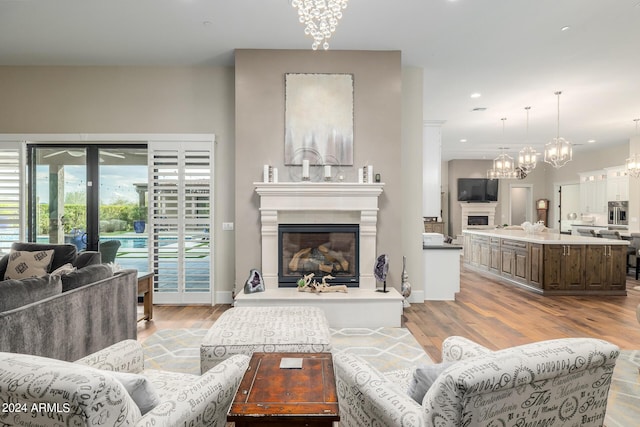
[[206, 23], [463, 140], [480, 109], [565, 28], [591, 141], [476, 95]]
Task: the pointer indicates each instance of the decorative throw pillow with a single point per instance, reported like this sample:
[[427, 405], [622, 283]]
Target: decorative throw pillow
[[423, 377], [63, 269], [140, 389], [24, 264]]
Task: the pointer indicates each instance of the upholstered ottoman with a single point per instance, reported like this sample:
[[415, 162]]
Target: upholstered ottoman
[[245, 330]]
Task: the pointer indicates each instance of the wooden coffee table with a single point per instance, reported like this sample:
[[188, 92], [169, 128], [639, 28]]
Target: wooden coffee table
[[270, 395]]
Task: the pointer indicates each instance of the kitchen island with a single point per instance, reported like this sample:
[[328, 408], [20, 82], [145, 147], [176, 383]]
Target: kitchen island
[[549, 263]]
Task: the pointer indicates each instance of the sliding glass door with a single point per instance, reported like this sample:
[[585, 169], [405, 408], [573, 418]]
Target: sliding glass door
[[90, 194], [58, 196], [154, 200]]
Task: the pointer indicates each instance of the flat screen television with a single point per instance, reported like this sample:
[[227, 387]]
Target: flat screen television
[[477, 190]]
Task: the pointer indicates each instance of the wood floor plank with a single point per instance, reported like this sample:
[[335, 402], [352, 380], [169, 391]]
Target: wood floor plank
[[487, 311]]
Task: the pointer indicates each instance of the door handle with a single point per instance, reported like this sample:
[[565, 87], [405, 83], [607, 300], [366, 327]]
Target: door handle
[[564, 250]]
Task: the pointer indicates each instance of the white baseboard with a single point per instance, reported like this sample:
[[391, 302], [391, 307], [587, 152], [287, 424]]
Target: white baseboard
[[416, 296], [224, 297]]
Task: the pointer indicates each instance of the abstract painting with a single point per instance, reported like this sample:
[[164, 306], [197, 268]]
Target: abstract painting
[[318, 119]]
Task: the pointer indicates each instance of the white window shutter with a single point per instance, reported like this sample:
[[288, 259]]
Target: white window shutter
[[181, 220], [12, 195]]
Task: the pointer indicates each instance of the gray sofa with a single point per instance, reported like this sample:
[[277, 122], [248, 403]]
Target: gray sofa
[[70, 316]]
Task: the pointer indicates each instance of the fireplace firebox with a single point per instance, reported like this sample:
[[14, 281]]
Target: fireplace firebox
[[321, 249], [478, 220]]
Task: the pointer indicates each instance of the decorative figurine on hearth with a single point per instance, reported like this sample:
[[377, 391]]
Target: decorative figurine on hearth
[[405, 286], [380, 271], [254, 283], [308, 284]]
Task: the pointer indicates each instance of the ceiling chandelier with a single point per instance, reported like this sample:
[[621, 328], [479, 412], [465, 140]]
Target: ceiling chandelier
[[503, 165], [558, 152], [633, 162], [528, 156], [320, 18]]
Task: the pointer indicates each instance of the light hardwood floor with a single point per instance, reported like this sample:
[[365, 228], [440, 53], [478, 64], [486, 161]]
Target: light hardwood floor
[[489, 312]]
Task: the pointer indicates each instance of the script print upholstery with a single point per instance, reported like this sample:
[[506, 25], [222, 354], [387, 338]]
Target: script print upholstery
[[245, 330], [559, 382], [187, 400], [367, 397], [79, 397]]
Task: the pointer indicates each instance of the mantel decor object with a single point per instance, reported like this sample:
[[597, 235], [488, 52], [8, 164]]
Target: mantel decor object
[[308, 284], [254, 283], [380, 271], [405, 286]]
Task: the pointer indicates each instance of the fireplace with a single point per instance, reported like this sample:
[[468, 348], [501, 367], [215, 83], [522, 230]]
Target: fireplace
[[309, 203], [478, 215], [321, 249], [478, 220]]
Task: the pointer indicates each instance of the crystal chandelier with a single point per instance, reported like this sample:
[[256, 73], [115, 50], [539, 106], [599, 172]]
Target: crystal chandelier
[[633, 162], [320, 18], [528, 156], [558, 152], [503, 165]]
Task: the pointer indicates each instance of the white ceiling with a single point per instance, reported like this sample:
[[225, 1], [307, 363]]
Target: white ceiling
[[513, 52]]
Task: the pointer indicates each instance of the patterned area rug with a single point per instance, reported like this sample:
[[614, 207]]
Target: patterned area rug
[[623, 406], [385, 348]]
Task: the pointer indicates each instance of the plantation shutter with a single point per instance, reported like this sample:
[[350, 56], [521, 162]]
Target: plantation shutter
[[12, 201], [181, 220]]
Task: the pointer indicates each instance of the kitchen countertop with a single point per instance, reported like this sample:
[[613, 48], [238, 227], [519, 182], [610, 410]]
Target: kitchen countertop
[[546, 238], [442, 246]]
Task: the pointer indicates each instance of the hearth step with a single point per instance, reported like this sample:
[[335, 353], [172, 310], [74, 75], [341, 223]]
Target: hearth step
[[358, 308]]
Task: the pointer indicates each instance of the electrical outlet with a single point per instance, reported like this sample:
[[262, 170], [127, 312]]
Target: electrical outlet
[[227, 226]]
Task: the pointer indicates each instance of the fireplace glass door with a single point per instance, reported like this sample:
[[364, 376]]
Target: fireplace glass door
[[321, 249]]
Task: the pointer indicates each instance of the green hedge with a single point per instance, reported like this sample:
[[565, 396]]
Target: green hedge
[[112, 217]]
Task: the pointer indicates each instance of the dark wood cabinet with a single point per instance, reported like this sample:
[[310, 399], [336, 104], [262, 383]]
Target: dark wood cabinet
[[434, 227], [480, 252], [605, 268], [564, 267], [536, 263], [550, 268], [495, 255], [515, 259]]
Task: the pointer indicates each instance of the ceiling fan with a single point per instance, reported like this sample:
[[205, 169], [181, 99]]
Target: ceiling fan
[[80, 153]]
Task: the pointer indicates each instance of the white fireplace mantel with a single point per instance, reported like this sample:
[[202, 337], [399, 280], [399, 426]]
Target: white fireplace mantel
[[318, 202], [478, 209]]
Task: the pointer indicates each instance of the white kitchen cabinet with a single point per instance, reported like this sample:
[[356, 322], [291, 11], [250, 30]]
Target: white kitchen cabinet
[[617, 184], [593, 192]]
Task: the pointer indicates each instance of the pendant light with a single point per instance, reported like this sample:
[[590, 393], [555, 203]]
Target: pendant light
[[558, 152], [633, 162], [528, 156], [503, 165]]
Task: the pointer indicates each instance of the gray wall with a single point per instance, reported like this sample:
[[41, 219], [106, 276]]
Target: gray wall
[[133, 100], [260, 136]]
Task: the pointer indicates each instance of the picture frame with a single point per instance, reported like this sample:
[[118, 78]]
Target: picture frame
[[318, 119]]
